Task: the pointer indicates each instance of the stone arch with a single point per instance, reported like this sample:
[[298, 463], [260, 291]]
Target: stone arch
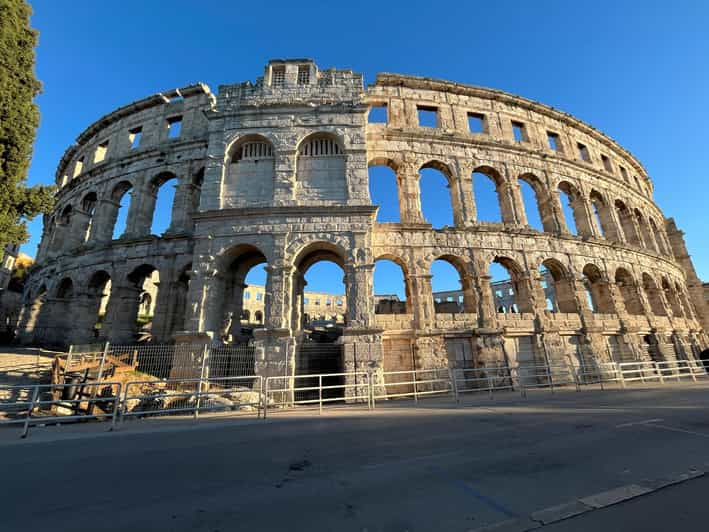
[[250, 172], [629, 291], [390, 305], [688, 310], [602, 216], [442, 211], [118, 208], [464, 299], [572, 204], [62, 228], [513, 293], [627, 223], [648, 238], [320, 169], [560, 287], [258, 317], [598, 294], [482, 176], [658, 237], [542, 202], [672, 297], [159, 199], [98, 296], [653, 295], [385, 188], [65, 289]]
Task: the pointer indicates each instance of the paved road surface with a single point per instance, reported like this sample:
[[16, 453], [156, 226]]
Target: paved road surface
[[433, 467]]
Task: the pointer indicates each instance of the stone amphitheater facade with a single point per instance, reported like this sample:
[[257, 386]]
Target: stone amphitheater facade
[[276, 172]]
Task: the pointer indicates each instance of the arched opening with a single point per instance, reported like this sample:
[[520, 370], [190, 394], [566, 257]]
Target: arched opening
[[99, 292], [672, 298], [196, 194], [510, 292], [391, 290], [648, 237], [320, 170], [569, 198], [320, 267], [62, 229], [533, 200], [118, 217], [598, 295], [451, 286], [558, 287], [258, 317], [486, 185], [244, 291], [687, 309], [629, 290], [653, 296], [435, 193], [162, 194], [88, 206], [658, 239], [65, 290], [176, 315], [626, 222], [384, 192], [250, 172], [597, 207], [147, 283]]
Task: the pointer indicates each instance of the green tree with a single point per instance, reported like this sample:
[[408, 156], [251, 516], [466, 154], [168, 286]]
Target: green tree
[[19, 118]]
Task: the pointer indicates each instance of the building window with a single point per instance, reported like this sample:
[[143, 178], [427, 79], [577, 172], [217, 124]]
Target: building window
[[520, 132], [328, 302], [78, 166], [476, 123], [554, 141], [278, 76], [427, 116], [303, 75], [100, 153], [134, 137], [339, 302], [174, 127], [259, 296], [317, 302], [584, 155], [624, 173], [378, 114], [306, 300], [607, 164], [247, 295]]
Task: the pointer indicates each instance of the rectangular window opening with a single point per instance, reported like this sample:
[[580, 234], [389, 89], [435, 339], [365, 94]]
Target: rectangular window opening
[[278, 76], [78, 167], [624, 173], [303, 75], [134, 137], [607, 164], [520, 132], [476, 123], [174, 127], [378, 114], [554, 141], [584, 155], [427, 116], [259, 296], [100, 153]]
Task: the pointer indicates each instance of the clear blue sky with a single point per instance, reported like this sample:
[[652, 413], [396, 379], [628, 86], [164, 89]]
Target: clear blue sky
[[636, 70]]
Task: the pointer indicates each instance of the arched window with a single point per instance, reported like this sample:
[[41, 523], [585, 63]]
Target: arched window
[[258, 317], [391, 291], [629, 290], [384, 191], [163, 198], [569, 197], [451, 286], [119, 214], [435, 192], [658, 239], [509, 291], [672, 298], [603, 217], [648, 237], [598, 295], [486, 183], [534, 202], [250, 173], [558, 286], [320, 173], [88, 205], [65, 290], [653, 296], [626, 222]]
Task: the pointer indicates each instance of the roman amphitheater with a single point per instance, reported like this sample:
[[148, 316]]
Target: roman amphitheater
[[276, 173]]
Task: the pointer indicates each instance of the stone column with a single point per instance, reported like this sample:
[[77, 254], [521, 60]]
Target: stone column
[[181, 216], [77, 232], [104, 221], [424, 312], [518, 202], [470, 299], [163, 309], [585, 223], [84, 318], [360, 300], [507, 197], [140, 212], [122, 314], [410, 196], [487, 313], [277, 308], [468, 211]]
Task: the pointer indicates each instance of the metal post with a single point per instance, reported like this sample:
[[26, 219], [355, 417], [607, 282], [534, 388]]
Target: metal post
[[265, 397], [691, 371], [619, 369], [320, 392], [454, 384], [371, 389], [26, 429], [551, 378], [205, 353], [416, 398], [490, 385], [116, 402]]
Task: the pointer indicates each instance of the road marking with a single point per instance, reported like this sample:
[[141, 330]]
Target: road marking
[[675, 429], [487, 500], [633, 423]]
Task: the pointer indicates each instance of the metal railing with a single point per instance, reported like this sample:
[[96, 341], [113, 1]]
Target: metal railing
[[192, 396], [313, 389], [29, 405], [484, 379], [411, 383]]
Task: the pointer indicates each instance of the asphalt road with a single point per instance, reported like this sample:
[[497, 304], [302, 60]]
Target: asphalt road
[[403, 468]]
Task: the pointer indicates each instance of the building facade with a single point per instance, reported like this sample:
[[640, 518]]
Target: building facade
[[276, 172]]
